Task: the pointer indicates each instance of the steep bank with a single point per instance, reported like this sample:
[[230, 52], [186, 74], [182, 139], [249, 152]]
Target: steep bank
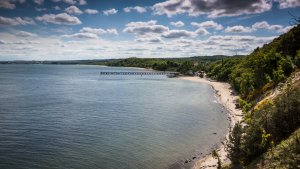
[[267, 82]]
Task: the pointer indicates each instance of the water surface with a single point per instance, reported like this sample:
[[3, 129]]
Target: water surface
[[68, 116]]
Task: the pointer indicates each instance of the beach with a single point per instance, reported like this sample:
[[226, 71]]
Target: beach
[[228, 99]]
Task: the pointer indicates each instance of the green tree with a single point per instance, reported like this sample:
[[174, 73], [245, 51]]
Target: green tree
[[233, 145]]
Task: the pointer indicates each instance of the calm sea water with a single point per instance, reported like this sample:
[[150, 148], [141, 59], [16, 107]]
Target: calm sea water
[[68, 116]]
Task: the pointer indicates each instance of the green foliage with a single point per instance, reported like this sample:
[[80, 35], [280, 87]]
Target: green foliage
[[181, 65], [297, 59], [278, 75], [283, 156], [245, 105], [185, 67], [233, 145], [220, 70], [272, 123], [265, 138], [268, 65]]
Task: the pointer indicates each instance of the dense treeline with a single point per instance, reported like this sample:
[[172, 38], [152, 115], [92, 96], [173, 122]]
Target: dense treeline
[[262, 70], [271, 121], [182, 65]]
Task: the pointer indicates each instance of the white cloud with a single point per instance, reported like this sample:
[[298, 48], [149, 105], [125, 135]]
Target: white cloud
[[261, 25], [40, 9], [99, 31], [213, 8], [138, 9], [82, 36], [39, 2], [208, 24], [286, 29], [178, 34], [8, 4], [267, 26], [4, 21], [150, 39], [82, 2], [71, 2], [112, 31], [177, 24], [25, 34], [151, 30], [56, 8], [142, 28], [88, 46], [91, 11], [275, 27], [202, 31], [110, 12], [238, 29], [62, 18], [73, 10], [288, 3]]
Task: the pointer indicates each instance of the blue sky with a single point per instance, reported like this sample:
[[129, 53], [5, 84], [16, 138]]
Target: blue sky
[[90, 29]]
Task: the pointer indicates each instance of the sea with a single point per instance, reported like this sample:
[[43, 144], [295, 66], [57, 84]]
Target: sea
[[72, 117]]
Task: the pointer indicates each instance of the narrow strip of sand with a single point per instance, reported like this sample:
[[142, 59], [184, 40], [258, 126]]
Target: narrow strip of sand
[[228, 99]]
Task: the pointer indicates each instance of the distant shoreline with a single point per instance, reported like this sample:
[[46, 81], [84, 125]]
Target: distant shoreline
[[227, 99]]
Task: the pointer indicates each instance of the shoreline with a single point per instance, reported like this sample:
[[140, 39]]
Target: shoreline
[[227, 98]]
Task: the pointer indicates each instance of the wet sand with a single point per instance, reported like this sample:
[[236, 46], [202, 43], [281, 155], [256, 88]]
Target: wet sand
[[228, 99]]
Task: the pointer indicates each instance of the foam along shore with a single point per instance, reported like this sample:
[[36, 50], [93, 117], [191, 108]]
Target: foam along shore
[[228, 99]]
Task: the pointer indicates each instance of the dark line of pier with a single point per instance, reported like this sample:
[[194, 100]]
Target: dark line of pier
[[140, 73]]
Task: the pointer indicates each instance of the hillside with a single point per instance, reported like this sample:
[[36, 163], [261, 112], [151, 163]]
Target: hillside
[[268, 83], [261, 70]]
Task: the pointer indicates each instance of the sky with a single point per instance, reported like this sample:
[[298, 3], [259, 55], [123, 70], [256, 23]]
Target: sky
[[104, 29]]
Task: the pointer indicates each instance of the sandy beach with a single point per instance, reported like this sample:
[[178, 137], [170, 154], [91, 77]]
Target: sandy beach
[[227, 98]]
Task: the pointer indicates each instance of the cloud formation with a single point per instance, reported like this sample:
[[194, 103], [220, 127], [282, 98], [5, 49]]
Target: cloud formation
[[110, 11], [208, 24], [4, 21], [61, 19], [82, 2], [25, 34], [138, 9], [73, 10], [91, 11], [214, 8], [288, 3], [202, 31], [82, 36], [99, 31], [39, 2], [238, 29], [267, 26], [71, 2], [8, 4], [178, 34], [142, 28], [177, 24]]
